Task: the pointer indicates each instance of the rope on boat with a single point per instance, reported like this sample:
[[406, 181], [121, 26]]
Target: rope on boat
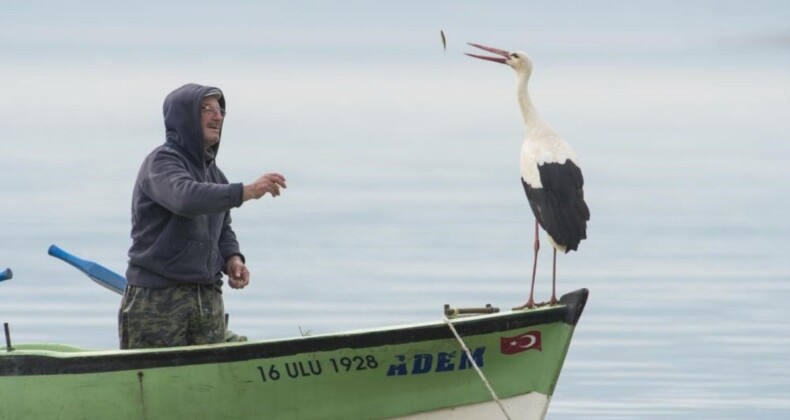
[[477, 368]]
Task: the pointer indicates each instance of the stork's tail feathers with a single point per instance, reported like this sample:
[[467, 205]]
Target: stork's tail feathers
[[567, 227]]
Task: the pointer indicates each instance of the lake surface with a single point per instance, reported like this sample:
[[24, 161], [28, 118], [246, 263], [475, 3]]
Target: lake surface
[[404, 194]]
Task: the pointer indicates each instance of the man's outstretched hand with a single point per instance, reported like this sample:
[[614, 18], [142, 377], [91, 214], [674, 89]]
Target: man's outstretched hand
[[269, 183]]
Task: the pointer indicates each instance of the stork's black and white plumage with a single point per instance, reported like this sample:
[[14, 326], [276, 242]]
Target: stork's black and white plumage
[[550, 174]]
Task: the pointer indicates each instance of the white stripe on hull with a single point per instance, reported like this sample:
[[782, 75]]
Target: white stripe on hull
[[523, 407]]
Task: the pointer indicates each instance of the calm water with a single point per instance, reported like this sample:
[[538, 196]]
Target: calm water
[[402, 166]]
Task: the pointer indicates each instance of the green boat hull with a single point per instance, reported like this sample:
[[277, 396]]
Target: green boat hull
[[409, 370]]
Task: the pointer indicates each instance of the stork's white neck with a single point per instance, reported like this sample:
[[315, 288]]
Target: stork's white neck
[[532, 119]]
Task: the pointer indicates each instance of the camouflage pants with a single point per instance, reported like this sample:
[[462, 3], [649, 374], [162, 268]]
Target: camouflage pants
[[173, 316]]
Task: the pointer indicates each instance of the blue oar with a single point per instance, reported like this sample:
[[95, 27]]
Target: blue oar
[[98, 273], [6, 274]]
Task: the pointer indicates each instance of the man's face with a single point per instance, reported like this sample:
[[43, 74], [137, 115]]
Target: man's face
[[211, 117]]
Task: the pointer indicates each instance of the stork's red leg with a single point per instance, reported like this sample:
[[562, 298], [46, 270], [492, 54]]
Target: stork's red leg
[[536, 246], [553, 300]]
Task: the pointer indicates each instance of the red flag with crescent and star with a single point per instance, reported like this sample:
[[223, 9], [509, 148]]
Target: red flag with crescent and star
[[527, 341]]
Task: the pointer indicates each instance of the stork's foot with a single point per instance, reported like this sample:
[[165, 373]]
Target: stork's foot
[[553, 301], [529, 305]]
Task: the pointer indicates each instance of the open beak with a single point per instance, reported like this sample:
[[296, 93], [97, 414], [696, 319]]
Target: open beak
[[503, 53]]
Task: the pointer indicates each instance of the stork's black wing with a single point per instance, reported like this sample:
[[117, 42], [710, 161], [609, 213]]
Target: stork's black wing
[[559, 204]]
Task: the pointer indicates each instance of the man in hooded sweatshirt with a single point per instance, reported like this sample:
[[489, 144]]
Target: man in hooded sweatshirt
[[182, 241]]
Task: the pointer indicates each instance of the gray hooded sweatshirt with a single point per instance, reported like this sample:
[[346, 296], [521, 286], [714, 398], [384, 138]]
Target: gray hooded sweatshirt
[[181, 203]]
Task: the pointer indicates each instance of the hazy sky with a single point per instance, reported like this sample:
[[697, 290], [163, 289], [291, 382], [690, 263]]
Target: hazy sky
[[35, 28]]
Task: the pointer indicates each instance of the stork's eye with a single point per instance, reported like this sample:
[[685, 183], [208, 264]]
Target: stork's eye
[[514, 55]]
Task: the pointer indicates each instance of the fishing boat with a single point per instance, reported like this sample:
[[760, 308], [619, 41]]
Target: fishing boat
[[473, 363]]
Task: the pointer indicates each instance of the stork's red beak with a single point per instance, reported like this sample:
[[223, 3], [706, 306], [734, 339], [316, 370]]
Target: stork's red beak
[[503, 53]]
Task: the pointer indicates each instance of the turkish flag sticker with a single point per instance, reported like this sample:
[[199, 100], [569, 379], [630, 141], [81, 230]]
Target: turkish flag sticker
[[527, 341]]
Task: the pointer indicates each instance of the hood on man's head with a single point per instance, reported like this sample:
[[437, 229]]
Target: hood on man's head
[[181, 111], [188, 96]]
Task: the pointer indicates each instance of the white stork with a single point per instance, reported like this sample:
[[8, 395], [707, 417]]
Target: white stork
[[550, 174]]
